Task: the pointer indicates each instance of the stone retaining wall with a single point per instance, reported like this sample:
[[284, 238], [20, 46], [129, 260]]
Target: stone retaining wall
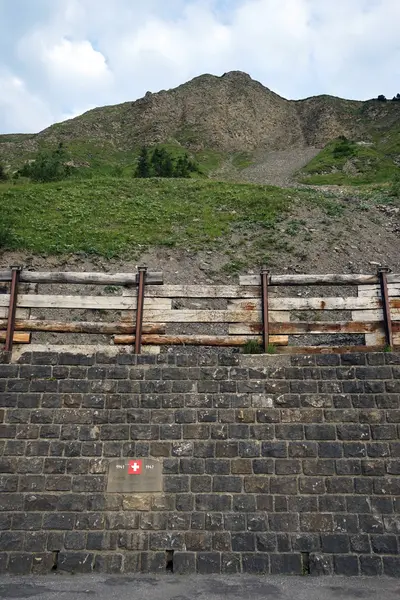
[[271, 464]]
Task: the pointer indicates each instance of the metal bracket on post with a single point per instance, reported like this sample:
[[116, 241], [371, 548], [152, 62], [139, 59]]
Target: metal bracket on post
[[141, 278], [264, 307], [12, 309], [382, 274]]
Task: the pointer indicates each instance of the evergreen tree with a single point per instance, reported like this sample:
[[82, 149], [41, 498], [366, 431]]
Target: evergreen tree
[[3, 174], [143, 166], [49, 165]]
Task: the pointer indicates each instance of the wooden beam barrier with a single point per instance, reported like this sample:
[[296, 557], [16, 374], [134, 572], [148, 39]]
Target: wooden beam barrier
[[154, 278], [94, 327], [198, 340], [330, 279], [18, 338]]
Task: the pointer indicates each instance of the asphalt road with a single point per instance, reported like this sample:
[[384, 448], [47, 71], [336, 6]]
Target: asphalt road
[[240, 587]]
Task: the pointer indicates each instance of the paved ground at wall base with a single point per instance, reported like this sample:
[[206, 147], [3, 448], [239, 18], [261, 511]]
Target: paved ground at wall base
[[172, 587]]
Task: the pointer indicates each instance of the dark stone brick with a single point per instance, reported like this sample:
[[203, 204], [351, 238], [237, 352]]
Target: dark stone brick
[[303, 504], [391, 566], [227, 484], [286, 564], [197, 541], [320, 564], [27, 521], [255, 563], [353, 432], [320, 432], [383, 432], [230, 563], [284, 522], [75, 540], [371, 523], [306, 542], [213, 502], [75, 562], [335, 543], [263, 466], [290, 432], [234, 522], [11, 540], [371, 566], [346, 565], [360, 543], [281, 485], [249, 449], [287, 467], [19, 563], [243, 542], [244, 503], [302, 449], [184, 563], [314, 522], [274, 449], [384, 544], [215, 466], [176, 484]]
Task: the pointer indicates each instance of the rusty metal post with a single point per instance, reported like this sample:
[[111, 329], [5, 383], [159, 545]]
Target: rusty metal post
[[382, 273], [12, 309], [264, 307], [139, 309]]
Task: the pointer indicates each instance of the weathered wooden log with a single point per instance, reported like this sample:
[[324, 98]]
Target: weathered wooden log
[[328, 350], [374, 315], [18, 338], [22, 313], [330, 279], [298, 328], [376, 292], [289, 303], [85, 302], [82, 327], [197, 340], [155, 278], [198, 291]]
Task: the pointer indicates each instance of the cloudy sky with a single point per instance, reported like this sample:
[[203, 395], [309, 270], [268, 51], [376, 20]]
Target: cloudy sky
[[59, 58]]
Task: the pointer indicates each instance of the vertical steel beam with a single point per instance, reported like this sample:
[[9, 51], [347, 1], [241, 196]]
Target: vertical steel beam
[[264, 305], [139, 309], [382, 272], [12, 309]]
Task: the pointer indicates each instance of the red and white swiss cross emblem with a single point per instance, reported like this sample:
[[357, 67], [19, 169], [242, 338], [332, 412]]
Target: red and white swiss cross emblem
[[135, 467]]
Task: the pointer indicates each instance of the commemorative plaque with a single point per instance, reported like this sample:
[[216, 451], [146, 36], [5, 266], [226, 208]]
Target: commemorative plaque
[[135, 475]]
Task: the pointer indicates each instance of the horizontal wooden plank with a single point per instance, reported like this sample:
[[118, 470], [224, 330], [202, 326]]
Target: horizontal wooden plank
[[379, 339], [22, 313], [312, 279], [211, 316], [308, 350], [153, 278], [198, 291], [82, 327], [375, 290], [18, 338], [374, 315], [298, 328], [289, 303], [197, 340], [85, 302]]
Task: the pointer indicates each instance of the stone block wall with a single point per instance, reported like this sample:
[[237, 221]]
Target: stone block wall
[[271, 464]]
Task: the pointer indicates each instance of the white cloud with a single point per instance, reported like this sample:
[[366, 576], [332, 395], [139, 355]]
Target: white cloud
[[24, 111], [84, 53]]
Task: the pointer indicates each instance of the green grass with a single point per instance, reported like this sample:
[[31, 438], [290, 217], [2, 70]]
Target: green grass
[[242, 160], [113, 216], [373, 163]]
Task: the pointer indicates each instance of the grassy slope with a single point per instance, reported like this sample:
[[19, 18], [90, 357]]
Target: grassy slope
[[113, 216], [377, 162]]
